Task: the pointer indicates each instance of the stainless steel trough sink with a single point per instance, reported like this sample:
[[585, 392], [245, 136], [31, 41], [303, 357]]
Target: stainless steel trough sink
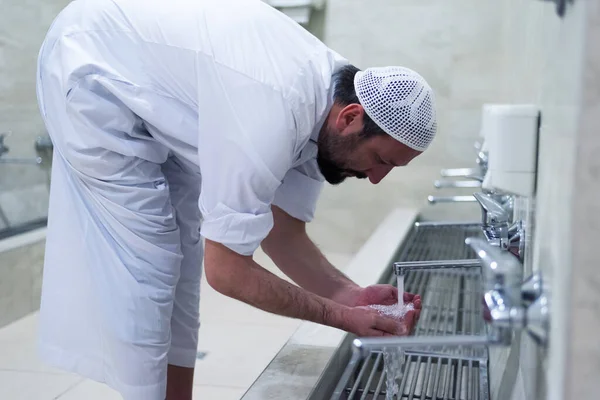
[[451, 311]]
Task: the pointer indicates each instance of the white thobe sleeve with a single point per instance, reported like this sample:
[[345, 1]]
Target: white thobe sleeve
[[246, 143], [300, 190]]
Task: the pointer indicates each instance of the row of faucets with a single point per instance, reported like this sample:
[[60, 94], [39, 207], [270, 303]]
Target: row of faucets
[[512, 303], [497, 208], [473, 178]]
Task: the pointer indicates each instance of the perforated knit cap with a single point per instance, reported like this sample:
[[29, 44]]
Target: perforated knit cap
[[400, 102]]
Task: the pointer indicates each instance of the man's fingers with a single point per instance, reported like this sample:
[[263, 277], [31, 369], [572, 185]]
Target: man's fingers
[[410, 318], [412, 298], [389, 302], [417, 304], [390, 325]]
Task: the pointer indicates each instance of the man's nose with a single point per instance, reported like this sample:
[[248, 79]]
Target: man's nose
[[376, 174]]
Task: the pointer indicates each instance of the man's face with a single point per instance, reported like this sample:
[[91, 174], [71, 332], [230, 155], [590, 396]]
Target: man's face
[[344, 153]]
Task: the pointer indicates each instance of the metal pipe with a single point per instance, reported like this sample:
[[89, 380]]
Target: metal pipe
[[475, 177], [440, 184], [451, 199], [441, 224], [36, 161], [401, 268], [365, 345], [458, 172]]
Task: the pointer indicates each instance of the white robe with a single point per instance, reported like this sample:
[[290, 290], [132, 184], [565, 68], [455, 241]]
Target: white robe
[[171, 121]]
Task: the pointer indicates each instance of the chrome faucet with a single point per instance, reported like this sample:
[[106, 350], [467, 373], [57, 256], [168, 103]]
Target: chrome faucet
[[512, 303], [474, 178], [402, 267], [480, 171], [496, 222], [458, 172], [501, 272], [482, 161], [450, 199], [493, 211], [443, 184]]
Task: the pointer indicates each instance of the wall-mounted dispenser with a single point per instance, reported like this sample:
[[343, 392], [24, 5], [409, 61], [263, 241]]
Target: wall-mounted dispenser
[[512, 140]]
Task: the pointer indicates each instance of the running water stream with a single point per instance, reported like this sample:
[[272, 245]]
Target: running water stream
[[400, 291], [393, 357]]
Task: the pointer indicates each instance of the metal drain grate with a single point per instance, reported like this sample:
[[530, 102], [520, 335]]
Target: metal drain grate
[[451, 305], [424, 377], [439, 241], [451, 301]]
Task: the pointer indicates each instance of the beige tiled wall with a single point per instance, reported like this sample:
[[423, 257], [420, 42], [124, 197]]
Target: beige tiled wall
[[554, 62], [582, 309]]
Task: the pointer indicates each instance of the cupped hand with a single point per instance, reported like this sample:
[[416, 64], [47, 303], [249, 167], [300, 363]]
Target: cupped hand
[[366, 322], [387, 295]]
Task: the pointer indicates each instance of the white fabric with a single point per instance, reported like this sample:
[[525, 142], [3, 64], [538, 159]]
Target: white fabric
[[167, 118], [400, 102]]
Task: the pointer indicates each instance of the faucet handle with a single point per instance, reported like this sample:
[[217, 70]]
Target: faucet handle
[[493, 210], [532, 288], [500, 269], [482, 157], [491, 256]]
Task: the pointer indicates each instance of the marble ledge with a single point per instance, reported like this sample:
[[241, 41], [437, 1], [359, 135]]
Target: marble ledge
[[300, 366]]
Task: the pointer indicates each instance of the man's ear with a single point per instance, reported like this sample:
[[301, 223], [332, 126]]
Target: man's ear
[[350, 118]]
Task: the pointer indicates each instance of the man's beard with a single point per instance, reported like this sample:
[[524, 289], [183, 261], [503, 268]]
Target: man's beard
[[333, 155]]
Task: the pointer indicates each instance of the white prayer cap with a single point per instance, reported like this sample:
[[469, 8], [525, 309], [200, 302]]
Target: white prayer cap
[[400, 102]]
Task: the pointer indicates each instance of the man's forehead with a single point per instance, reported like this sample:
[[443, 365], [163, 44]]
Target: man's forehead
[[393, 146]]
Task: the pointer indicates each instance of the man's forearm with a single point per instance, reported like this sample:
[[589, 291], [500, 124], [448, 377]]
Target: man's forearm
[[300, 259], [243, 279]]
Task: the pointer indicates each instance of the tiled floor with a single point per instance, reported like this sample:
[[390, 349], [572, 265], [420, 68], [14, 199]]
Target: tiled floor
[[239, 341]]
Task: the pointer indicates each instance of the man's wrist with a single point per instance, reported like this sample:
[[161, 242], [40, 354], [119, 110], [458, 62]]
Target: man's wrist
[[338, 316], [347, 294]]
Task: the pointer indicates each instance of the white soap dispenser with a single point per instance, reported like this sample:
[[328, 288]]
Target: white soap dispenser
[[486, 123], [512, 135]]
